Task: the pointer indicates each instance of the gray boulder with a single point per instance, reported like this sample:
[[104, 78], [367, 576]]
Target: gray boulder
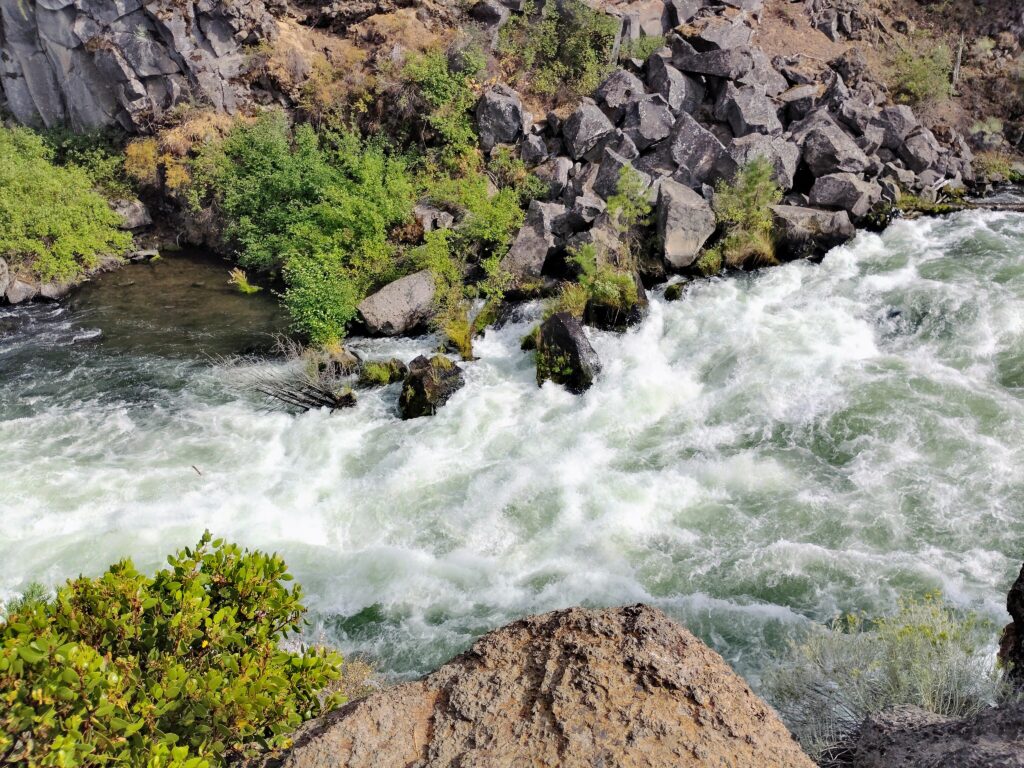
[[429, 384], [20, 291], [716, 33], [762, 75], [802, 233], [584, 212], [682, 92], [685, 221], [897, 123], [847, 192], [565, 355], [781, 153], [731, 63], [533, 150], [697, 153], [399, 307], [55, 290], [607, 180], [747, 111], [533, 244], [499, 116], [619, 89], [556, 173], [827, 148], [5, 277], [431, 217], [920, 151], [133, 213], [584, 128], [648, 121]]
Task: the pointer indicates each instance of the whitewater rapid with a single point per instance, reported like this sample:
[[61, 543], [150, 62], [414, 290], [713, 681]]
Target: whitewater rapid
[[773, 449]]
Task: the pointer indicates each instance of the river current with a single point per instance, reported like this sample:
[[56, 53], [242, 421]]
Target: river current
[[769, 451]]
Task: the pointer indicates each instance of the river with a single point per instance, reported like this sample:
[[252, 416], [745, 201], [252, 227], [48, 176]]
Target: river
[[771, 450]]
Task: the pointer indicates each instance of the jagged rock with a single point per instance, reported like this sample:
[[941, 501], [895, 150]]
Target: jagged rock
[[607, 180], [647, 121], [716, 33], [827, 148], [732, 63], [376, 373], [762, 75], [490, 13], [133, 214], [499, 116], [335, 362], [55, 290], [585, 210], [747, 111], [682, 92], [564, 354], [782, 154], [399, 307], [5, 277], [574, 688], [429, 384], [584, 128], [920, 151], [846, 192], [685, 222], [1011, 646], [614, 318], [533, 244], [126, 63], [618, 90], [556, 173], [802, 233], [19, 291], [431, 217], [909, 737], [533, 150], [698, 155]]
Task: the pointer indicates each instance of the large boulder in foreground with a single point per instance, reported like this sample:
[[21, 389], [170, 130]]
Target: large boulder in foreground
[[564, 354], [428, 385], [804, 233], [685, 222], [909, 737], [572, 688], [399, 307]]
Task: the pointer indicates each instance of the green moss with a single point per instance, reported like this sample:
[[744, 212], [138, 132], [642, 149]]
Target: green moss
[[380, 373]]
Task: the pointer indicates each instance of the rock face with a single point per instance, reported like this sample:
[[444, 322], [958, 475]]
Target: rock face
[[573, 688], [685, 222], [91, 63], [564, 354], [428, 385], [909, 737], [399, 307], [807, 232], [499, 116]]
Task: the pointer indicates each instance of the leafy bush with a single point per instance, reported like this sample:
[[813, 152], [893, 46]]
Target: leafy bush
[[98, 153], [629, 209], [321, 209], [565, 48], [53, 225], [743, 205], [642, 47], [927, 655], [922, 77], [179, 670]]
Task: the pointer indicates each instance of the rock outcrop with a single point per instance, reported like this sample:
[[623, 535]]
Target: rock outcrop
[[573, 688], [564, 354], [428, 385], [399, 307], [97, 63]]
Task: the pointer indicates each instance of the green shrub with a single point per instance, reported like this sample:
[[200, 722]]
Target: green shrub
[[183, 669], [743, 206], [927, 655], [98, 153], [922, 77], [642, 47], [321, 209], [565, 47], [380, 373], [629, 210], [510, 171], [53, 225]]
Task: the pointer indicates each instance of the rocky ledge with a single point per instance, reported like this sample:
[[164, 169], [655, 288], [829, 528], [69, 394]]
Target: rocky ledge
[[573, 688]]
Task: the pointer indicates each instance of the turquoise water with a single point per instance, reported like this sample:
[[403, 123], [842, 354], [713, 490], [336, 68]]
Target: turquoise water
[[769, 451]]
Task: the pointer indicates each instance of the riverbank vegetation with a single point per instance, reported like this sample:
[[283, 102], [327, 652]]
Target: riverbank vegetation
[[182, 669]]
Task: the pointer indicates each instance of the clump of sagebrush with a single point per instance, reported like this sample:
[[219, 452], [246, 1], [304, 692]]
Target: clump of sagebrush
[[743, 207], [564, 49], [641, 48], [629, 210], [922, 76], [927, 654], [182, 669], [53, 224]]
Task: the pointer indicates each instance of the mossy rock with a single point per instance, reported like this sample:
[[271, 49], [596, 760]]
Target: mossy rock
[[380, 373], [428, 385], [564, 354]]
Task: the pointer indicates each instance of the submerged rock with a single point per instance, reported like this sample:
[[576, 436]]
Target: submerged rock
[[429, 385], [574, 688], [401, 306], [380, 373], [564, 354]]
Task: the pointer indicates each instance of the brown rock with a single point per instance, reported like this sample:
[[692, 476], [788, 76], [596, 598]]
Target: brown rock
[[574, 689]]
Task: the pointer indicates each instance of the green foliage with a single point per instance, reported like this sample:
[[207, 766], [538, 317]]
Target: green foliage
[[53, 225], [240, 280], [642, 47], [183, 669], [572, 298], [565, 48], [629, 209], [917, 78], [321, 209], [449, 95], [510, 171], [927, 655], [709, 263], [599, 283], [743, 206], [98, 153], [380, 373]]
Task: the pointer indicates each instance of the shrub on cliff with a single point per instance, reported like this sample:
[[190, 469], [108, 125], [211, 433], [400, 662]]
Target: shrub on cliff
[[926, 654], [925, 76], [183, 669], [53, 225], [743, 206]]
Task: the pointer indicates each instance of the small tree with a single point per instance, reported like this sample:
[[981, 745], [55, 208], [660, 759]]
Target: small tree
[[744, 207]]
